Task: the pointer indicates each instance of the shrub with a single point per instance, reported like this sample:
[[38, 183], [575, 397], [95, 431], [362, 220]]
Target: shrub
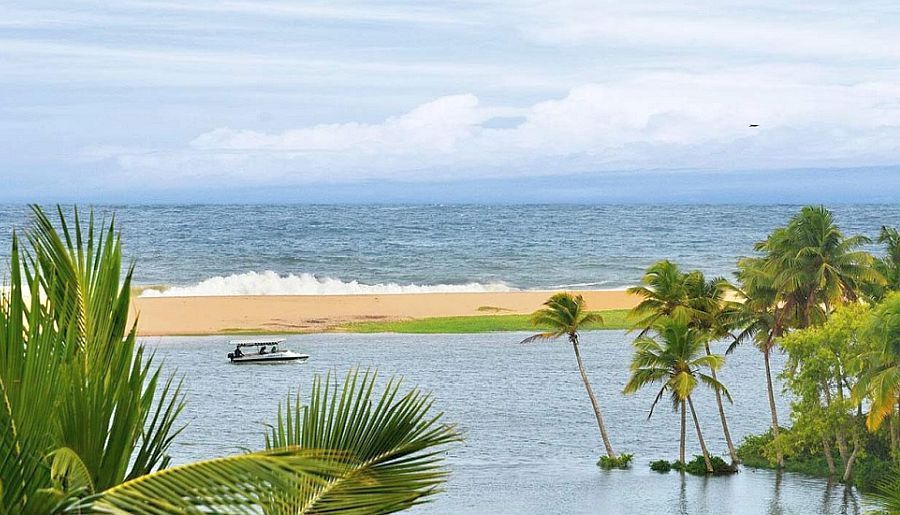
[[660, 466], [697, 466], [623, 461]]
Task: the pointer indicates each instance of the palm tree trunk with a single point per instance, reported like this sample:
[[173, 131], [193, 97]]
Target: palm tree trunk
[[709, 467], [775, 429], [683, 431], [594, 403], [731, 449], [829, 459]]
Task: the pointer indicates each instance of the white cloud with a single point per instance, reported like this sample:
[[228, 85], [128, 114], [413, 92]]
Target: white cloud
[[436, 126], [653, 120], [824, 29]]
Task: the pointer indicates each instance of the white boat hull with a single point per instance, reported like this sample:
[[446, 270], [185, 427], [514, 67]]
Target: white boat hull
[[285, 356]]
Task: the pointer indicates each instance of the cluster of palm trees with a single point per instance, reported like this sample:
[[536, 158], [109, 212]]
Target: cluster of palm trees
[[87, 417], [802, 272]]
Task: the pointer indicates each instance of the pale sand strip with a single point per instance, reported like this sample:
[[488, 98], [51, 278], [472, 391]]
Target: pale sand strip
[[160, 316]]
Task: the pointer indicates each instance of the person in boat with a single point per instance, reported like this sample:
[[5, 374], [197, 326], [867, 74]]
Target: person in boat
[[274, 348], [237, 352], [262, 350]]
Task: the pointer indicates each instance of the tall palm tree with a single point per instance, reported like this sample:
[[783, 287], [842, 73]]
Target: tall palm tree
[[815, 266], [691, 298], [564, 315], [86, 418], [763, 320], [676, 361]]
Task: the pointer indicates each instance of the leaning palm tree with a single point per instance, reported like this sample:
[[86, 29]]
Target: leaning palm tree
[[692, 299], [675, 360], [564, 315], [86, 417]]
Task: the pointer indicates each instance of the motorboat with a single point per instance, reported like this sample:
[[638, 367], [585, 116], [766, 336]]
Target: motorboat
[[263, 351]]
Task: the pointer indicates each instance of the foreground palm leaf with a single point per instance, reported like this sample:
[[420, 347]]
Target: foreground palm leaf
[[235, 484], [389, 449]]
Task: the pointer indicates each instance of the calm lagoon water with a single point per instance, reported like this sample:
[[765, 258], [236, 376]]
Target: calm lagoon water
[[531, 440]]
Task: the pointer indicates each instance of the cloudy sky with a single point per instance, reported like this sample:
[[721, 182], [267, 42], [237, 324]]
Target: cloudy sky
[[210, 100]]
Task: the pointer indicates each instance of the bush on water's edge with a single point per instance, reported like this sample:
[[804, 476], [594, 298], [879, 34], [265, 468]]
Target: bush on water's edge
[[696, 466], [660, 466], [871, 468], [612, 319], [622, 461]]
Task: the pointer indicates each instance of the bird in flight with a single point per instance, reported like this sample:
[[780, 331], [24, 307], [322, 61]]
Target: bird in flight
[[754, 125]]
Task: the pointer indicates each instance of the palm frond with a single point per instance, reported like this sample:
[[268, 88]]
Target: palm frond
[[390, 449]]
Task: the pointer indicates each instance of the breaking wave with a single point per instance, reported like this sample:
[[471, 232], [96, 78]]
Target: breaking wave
[[271, 283]]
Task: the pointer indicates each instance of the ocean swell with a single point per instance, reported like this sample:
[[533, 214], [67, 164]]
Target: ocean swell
[[271, 283]]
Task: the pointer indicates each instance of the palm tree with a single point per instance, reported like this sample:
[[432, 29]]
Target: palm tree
[[676, 361], [880, 380], [87, 418], [691, 298], [564, 315], [665, 294], [815, 266], [763, 320], [889, 265], [807, 268]]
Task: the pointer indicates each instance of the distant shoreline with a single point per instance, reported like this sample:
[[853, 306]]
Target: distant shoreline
[[401, 312]]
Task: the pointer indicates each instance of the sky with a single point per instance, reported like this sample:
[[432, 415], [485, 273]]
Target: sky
[[205, 101]]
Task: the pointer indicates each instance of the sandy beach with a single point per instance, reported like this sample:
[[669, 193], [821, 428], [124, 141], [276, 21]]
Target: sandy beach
[[166, 316]]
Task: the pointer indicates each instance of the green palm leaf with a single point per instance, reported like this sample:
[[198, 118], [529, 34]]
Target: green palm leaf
[[391, 448]]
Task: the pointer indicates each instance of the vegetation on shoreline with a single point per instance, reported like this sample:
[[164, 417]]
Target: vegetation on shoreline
[[612, 319]]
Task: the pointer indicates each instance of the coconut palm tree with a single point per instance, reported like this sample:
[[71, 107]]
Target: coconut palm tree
[[87, 418], [763, 320], [880, 380], [676, 360], [664, 293], [691, 298], [888, 265], [815, 266], [564, 315]]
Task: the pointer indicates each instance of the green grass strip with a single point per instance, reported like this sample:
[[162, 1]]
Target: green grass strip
[[612, 319]]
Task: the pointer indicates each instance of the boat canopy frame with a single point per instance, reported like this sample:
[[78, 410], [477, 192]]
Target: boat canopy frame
[[256, 343]]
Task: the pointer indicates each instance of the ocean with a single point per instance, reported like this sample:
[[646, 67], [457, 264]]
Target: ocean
[[347, 249]]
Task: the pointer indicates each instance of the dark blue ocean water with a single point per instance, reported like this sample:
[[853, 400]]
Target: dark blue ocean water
[[531, 246]]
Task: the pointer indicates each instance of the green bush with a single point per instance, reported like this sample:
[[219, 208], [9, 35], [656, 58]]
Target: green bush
[[697, 466], [752, 450], [869, 472], [623, 461], [660, 466]]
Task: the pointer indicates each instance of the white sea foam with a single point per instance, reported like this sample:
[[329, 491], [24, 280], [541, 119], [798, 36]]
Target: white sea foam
[[271, 283]]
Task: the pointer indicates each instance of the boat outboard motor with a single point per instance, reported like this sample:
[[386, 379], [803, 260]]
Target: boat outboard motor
[[231, 356]]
